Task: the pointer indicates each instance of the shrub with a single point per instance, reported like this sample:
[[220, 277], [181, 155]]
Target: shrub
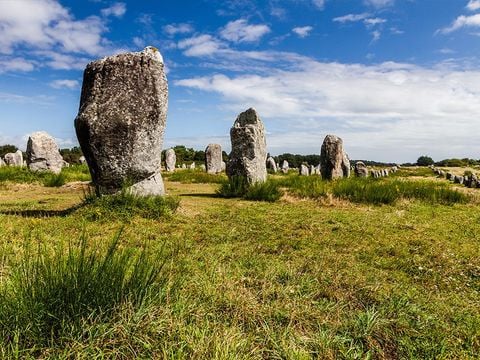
[[52, 294], [425, 161], [125, 205]]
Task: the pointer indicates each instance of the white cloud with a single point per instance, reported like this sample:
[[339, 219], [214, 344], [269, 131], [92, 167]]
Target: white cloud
[[15, 64], [202, 45], [241, 31], [376, 35], [320, 4], [45, 24], [302, 31], [173, 29], [374, 21], [461, 22], [351, 18], [473, 5], [117, 10], [395, 106], [65, 84], [379, 3]]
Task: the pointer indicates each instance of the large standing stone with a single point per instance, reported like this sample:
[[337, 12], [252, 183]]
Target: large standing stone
[[249, 148], [121, 121], [271, 164], [303, 171], [334, 161], [170, 160], [14, 159], [285, 166], [361, 169], [213, 159], [43, 153]]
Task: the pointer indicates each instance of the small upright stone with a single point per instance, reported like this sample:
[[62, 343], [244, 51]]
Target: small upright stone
[[170, 160], [184, 166], [271, 164], [313, 170], [14, 159], [224, 166], [213, 159], [249, 148], [285, 166], [303, 171], [43, 153], [361, 169], [82, 160], [192, 166], [121, 121], [333, 159]]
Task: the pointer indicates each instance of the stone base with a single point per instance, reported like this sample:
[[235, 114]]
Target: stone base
[[151, 186]]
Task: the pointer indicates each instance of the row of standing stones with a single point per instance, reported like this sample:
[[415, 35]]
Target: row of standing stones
[[121, 123], [470, 181]]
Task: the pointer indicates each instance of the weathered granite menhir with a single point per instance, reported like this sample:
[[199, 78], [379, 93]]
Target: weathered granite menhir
[[121, 121]]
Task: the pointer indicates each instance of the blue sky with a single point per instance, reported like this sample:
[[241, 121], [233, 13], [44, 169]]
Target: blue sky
[[394, 78]]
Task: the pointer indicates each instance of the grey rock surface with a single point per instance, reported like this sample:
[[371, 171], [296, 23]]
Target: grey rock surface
[[43, 153], [360, 169], [213, 158], [249, 148], [271, 164], [170, 160], [121, 121], [303, 171], [285, 166], [334, 162], [14, 159]]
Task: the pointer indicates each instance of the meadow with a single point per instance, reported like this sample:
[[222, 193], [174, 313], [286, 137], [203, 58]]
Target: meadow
[[299, 268]]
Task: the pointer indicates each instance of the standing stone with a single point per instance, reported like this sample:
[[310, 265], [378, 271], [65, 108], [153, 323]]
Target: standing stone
[[170, 160], [271, 164], [82, 160], [360, 169], [333, 159], [224, 166], [14, 159], [213, 159], [2, 163], [303, 171], [285, 166], [184, 166], [192, 166], [121, 121], [43, 153], [249, 148], [313, 170]]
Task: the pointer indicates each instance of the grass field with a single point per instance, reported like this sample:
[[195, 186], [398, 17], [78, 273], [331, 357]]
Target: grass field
[[316, 274]]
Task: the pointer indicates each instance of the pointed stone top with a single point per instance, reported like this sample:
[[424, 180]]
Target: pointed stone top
[[247, 117]]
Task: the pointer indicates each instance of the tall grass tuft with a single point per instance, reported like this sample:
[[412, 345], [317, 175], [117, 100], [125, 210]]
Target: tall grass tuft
[[235, 186], [267, 191], [50, 295], [54, 180], [238, 186], [312, 187], [386, 191], [125, 205]]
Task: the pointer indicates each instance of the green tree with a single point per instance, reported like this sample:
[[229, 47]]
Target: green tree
[[4, 149], [425, 161]]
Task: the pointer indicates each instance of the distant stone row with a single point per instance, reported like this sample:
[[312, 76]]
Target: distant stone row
[[470, 181], [42, 155]]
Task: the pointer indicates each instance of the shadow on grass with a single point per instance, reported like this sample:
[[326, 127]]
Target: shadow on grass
[[42, 213], [202, 195]]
